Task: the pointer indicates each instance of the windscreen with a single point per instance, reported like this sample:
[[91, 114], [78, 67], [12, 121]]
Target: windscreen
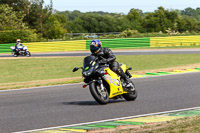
[[88, 62]]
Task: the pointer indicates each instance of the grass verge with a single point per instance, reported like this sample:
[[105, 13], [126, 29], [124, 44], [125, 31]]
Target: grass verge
[[182, 125], [31, 72]]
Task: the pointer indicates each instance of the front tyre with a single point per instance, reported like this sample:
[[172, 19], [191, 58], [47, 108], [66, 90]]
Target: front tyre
[[28, 54], [100, 95], [132, 94]]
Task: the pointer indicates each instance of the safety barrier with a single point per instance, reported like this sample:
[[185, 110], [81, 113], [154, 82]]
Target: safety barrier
[[5, 48], [59, 46], [123, 43], [174, 41], [80, 45]]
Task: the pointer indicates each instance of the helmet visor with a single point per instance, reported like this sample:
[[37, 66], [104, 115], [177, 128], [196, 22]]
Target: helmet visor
[[93, 49]]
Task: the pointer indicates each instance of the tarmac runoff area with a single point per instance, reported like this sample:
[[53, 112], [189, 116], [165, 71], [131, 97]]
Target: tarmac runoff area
[[127, 122]]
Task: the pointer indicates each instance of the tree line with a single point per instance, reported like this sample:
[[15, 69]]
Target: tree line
[[159, 20], [32, 20]]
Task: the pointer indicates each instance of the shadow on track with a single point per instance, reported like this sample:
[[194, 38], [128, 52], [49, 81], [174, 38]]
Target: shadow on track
[[94, 103]]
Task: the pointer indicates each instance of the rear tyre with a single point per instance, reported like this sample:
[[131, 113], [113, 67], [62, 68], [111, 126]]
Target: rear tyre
[[101, 96], [28, 54], [14, 54], [132, 94]]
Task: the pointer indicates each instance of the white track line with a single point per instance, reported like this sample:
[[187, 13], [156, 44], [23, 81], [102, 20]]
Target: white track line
[[129, 117]]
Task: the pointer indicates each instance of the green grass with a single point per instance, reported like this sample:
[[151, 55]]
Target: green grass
[[29, 69], [32, 69], [151, 62], [183, 125]]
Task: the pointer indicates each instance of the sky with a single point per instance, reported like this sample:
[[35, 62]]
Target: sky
[[121, 6]]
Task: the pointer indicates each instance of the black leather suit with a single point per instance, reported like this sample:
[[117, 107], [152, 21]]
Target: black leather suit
[[107, 54]]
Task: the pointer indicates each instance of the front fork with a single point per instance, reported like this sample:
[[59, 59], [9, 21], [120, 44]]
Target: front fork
[[99, 82], [101, 89]]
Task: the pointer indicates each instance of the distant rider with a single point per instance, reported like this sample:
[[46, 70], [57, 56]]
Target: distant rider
[[108, 57], [17, 45]]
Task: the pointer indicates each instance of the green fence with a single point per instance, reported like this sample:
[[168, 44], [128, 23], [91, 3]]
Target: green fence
[[5, 48], [123, 43]]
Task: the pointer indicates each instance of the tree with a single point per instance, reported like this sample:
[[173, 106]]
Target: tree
[[191, 24], [161, 20], [135, 17], [39, 15], [181, 24], [9, 19], [76, 26], [191, 12], [151, 23], [12, 26], [54, 28], [19, 6], [36, 13]]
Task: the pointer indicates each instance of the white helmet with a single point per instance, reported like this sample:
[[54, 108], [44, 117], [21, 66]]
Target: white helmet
[[18, 40]]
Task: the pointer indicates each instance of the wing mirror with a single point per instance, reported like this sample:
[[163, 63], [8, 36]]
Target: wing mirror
[[75, 69], [130, 68]]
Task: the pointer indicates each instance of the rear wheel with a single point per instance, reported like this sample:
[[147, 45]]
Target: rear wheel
[[14, 54], [99, 94], [131, 95]]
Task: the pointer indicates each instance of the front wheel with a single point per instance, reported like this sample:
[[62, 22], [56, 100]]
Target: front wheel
[[99, 94], [28, 54], [132, 93]]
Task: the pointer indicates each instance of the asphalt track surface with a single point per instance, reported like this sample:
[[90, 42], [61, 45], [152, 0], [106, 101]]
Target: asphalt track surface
[[45, 107], [118, 52]]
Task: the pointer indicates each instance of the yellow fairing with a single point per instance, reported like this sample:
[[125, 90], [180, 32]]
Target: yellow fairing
[[123, 66], [114, 81]]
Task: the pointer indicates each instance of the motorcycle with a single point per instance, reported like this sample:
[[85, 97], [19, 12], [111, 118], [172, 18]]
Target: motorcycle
[[22, 50], [104, 84]]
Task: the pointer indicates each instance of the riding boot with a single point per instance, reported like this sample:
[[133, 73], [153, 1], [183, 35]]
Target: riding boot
[[126, 78]]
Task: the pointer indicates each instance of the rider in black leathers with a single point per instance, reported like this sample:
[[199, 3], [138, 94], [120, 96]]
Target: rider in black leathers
[[107, 56]]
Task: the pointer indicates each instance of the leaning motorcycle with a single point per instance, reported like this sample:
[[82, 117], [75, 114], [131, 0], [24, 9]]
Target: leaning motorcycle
[[104, 84], [22, 50]]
